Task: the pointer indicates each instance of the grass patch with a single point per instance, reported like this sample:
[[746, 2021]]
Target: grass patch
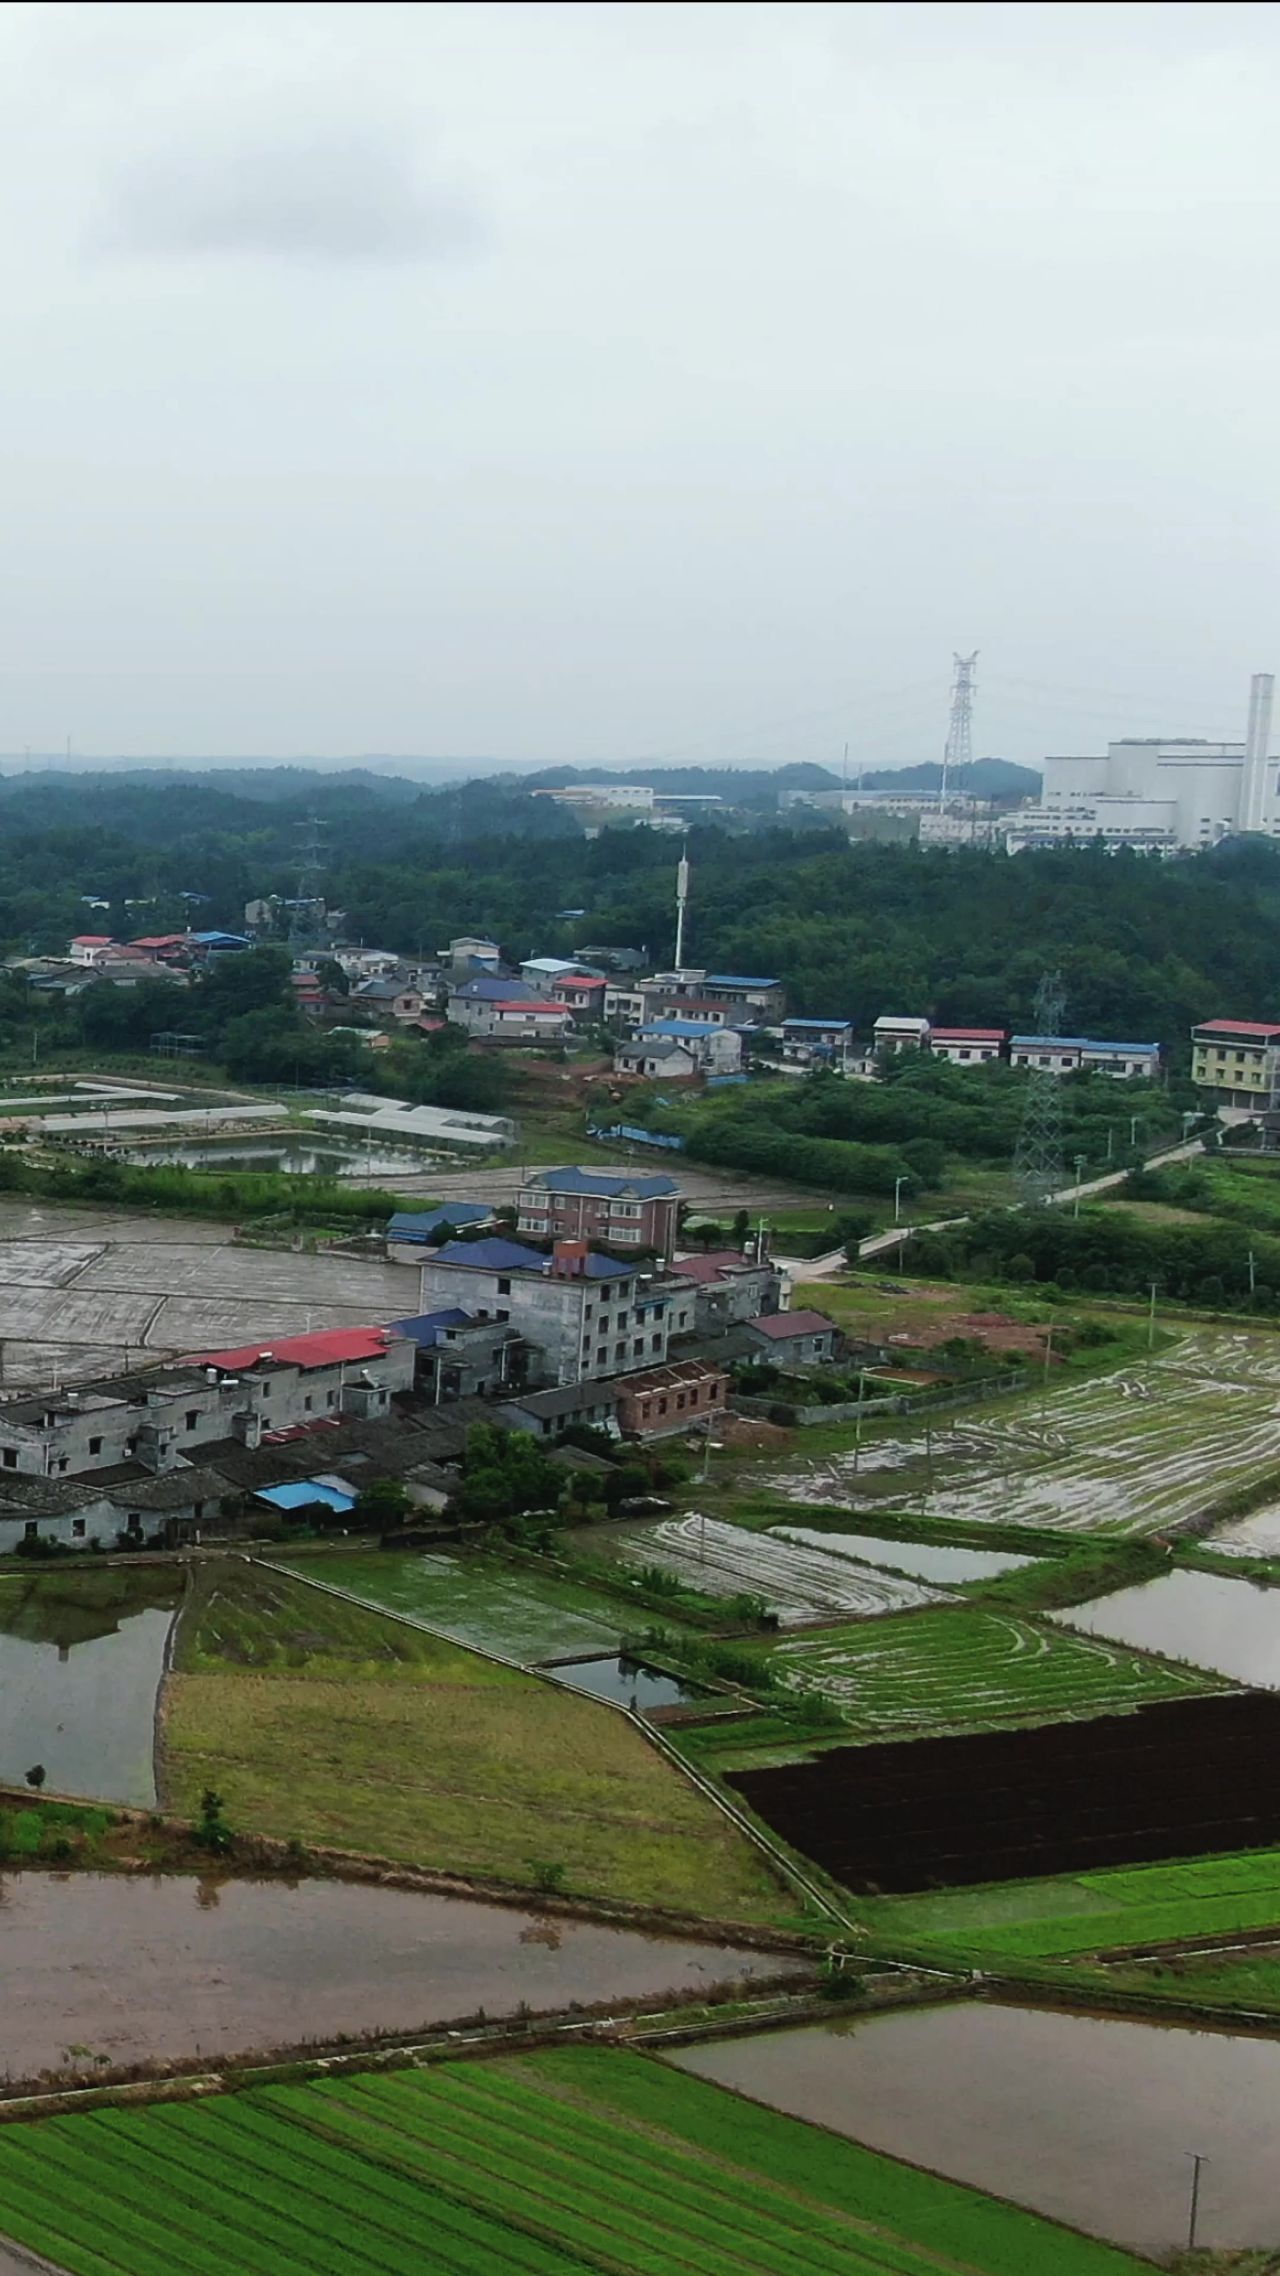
[[585, 2158], [522, 1612], [323, 1722]]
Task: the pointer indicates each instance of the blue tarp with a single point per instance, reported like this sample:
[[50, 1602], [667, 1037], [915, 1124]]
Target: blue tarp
[[333, 1492]]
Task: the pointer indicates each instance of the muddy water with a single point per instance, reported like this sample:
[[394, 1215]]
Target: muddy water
[[1232, 1626], [628, 1681], [85, 1709], [1089, 2121], [927, 1560], [1256, 1536], [173, 1966]]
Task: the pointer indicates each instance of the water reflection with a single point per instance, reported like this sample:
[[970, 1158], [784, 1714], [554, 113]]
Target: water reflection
[[81, 1657]]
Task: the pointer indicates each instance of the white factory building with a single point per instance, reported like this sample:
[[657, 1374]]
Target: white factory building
[[1158, 796]]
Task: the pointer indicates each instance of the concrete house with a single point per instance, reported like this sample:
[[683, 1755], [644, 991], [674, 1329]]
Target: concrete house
[[651, 1056], [583, 1315], [967, 1046], [794, 1339], [664, 1400], [729, 1287], [615, 1207]]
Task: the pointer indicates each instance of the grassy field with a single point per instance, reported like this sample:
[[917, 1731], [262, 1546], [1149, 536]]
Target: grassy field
[[1248, 1979], [585, 2158], [1090, 1912], [522, 1613], [966, 1669], [325, 1723], [1126, 1452]]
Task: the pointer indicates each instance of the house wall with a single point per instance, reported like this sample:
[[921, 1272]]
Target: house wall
[[656, 1410], [583, 1329]]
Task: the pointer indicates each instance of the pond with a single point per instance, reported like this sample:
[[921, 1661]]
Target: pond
[[629, 1681], [1231, 1626], [926, 1560], [1086, 2119], [80, 1665], [1256, 1536], [287, 1157], [177, 1966]]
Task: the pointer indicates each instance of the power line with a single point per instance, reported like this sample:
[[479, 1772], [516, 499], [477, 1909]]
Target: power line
[[957, 753]]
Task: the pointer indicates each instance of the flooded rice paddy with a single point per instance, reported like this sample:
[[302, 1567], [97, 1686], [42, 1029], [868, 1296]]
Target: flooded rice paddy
[[796, 1582], [172, 1967], [526, 1616], [630, 1682], [1230, 1626], [924, 1560], [1084, 2119], [1122, 1453], [78, 1682], [1255, 1536]]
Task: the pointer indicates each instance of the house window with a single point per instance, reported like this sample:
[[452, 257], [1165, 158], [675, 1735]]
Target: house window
[[95, 1446], [602, 1355], [655, 1343], [134, 1525], [637, 1348], [619, 1351], [191, 1418], [77, 1529], [62, 1464], [662, 1406], [31, 1531], [504, 1288], [11, 1458], [307, 1405]]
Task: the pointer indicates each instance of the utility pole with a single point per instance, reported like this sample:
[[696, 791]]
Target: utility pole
[[1133, 1133], [682, 898], [957, 751], [1111, 1140], [1253, 1272], [898, 1184], [1151, 1320], [1044, 1379], [1198, 2158], [1079, 1161]]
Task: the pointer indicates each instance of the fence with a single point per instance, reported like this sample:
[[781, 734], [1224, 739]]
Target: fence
[[900, 1403]]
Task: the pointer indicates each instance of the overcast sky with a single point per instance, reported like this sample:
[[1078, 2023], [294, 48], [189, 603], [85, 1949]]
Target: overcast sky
[[564, 382]]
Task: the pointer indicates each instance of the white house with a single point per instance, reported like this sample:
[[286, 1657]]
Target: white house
[[894, 1033]]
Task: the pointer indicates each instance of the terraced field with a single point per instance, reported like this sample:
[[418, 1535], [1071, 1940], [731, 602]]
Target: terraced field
[[1061, 1918], [1124, 1453], [961, 1669], [583, 2159], [797, 1582]]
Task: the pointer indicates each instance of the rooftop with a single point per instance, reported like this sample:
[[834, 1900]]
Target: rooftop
[[968, 1034], [739, 980], [497, 1255], [424, 1224], [715, 1265], [824, 1023], [573, 1399], [1080, 1043], [605, 1185], [780, 1327], [331, 1347], [1235, 1027]]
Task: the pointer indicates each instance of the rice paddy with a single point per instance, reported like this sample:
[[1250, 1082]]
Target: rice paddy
[[797, 1581]]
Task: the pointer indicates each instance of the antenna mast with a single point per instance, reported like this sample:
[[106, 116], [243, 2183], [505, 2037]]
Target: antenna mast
[[958, 749], [682, 896]]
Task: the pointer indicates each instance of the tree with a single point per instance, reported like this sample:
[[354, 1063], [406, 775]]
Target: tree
[[382, 1505]]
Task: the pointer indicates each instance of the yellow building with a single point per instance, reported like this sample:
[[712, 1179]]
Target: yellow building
[[1239, 1059]]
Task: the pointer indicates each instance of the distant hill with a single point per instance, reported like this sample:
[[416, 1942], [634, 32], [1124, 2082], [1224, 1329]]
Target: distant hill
[[984, 778]]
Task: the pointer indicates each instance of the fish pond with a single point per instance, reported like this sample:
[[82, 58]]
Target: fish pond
[[175, 1967], [299, 1157], [1084, 2118], [924, 1560], [81, 1657], [1203, 1618], [628, 1681]]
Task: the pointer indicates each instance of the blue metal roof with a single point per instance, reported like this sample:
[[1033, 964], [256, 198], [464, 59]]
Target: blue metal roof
[[676, 1030], [494, 1255], [487, 988], [1076, 1043], [739, 980], [425, 1224], [426, 1329], [827, 1024], [333, 1492], [607, 1186]]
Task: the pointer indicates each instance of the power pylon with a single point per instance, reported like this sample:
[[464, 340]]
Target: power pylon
[[308, 908], [1037, 1157], [958, 749]]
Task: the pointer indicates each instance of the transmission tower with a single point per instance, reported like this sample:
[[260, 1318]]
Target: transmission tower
[[958, 750], [1037, 1157], [308, 908]]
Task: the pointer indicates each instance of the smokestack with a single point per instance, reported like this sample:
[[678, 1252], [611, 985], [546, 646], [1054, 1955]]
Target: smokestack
[[1251, 813]]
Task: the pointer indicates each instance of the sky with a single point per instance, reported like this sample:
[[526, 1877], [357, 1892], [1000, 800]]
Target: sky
[[539, 383]]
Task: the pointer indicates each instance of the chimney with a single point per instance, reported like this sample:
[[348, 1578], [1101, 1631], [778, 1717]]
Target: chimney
[[569, 1260]]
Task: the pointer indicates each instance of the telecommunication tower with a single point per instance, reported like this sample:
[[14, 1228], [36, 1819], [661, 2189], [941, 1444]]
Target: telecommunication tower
[[1037, 1156], [308, 907], [682, 901], [958, 749]]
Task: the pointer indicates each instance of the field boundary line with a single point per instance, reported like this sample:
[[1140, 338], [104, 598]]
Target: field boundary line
[[774, 1851]]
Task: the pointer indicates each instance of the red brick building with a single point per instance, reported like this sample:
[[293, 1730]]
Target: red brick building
[[669, 1399], [614, 1207]]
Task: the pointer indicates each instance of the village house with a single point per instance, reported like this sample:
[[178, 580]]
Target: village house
[[794, 1339], [729, 1287], [664, 1400], [616, 1207], [582, 1315]]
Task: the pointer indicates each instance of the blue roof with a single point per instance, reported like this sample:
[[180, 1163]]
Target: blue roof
[[605, 1184], [739, 980], [1075, 1043], [511, 1256], [680, 1028], [426, 1328], [488, 988], [208, 940], [824, 1023], [335, 1494], [424, 1224]]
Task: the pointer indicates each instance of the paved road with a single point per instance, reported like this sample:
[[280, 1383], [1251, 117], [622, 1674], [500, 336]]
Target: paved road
[[880, 1244]]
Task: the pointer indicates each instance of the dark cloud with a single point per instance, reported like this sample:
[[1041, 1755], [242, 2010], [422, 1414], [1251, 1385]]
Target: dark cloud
[[321, 196]]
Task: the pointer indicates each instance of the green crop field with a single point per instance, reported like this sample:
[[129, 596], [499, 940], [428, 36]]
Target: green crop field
[[320, 1721], [582, 2159], [965, 1669], [522, 1613], [1089, 1912]]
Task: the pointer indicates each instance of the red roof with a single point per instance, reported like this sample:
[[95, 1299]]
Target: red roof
[[713, 1266], [968, 1035], [326, 1349], [587, 980], [1236, 1027], [93, 940], [537, 1011], [779, 1325], [160, 940]]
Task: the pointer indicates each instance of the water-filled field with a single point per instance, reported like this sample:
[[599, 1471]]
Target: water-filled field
[[797, 1581]]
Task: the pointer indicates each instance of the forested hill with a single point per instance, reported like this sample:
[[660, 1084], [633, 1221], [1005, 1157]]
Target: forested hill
[[1145, 947]]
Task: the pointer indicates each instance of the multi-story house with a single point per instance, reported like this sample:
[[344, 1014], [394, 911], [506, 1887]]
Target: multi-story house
[[583, 1315], [617, 1208], [967, 1046], [1239, 1059]]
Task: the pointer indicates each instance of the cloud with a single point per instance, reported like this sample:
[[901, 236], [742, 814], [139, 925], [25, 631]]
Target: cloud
[[321, 195]]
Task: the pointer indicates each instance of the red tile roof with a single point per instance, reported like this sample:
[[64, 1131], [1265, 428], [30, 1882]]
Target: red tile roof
[[92, 940], [778, 1326], [968, 1035], [713, 1266], [326, 1349], [1236, 1027]]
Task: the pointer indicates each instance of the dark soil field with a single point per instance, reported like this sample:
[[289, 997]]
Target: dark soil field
[[1182, 1779]]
